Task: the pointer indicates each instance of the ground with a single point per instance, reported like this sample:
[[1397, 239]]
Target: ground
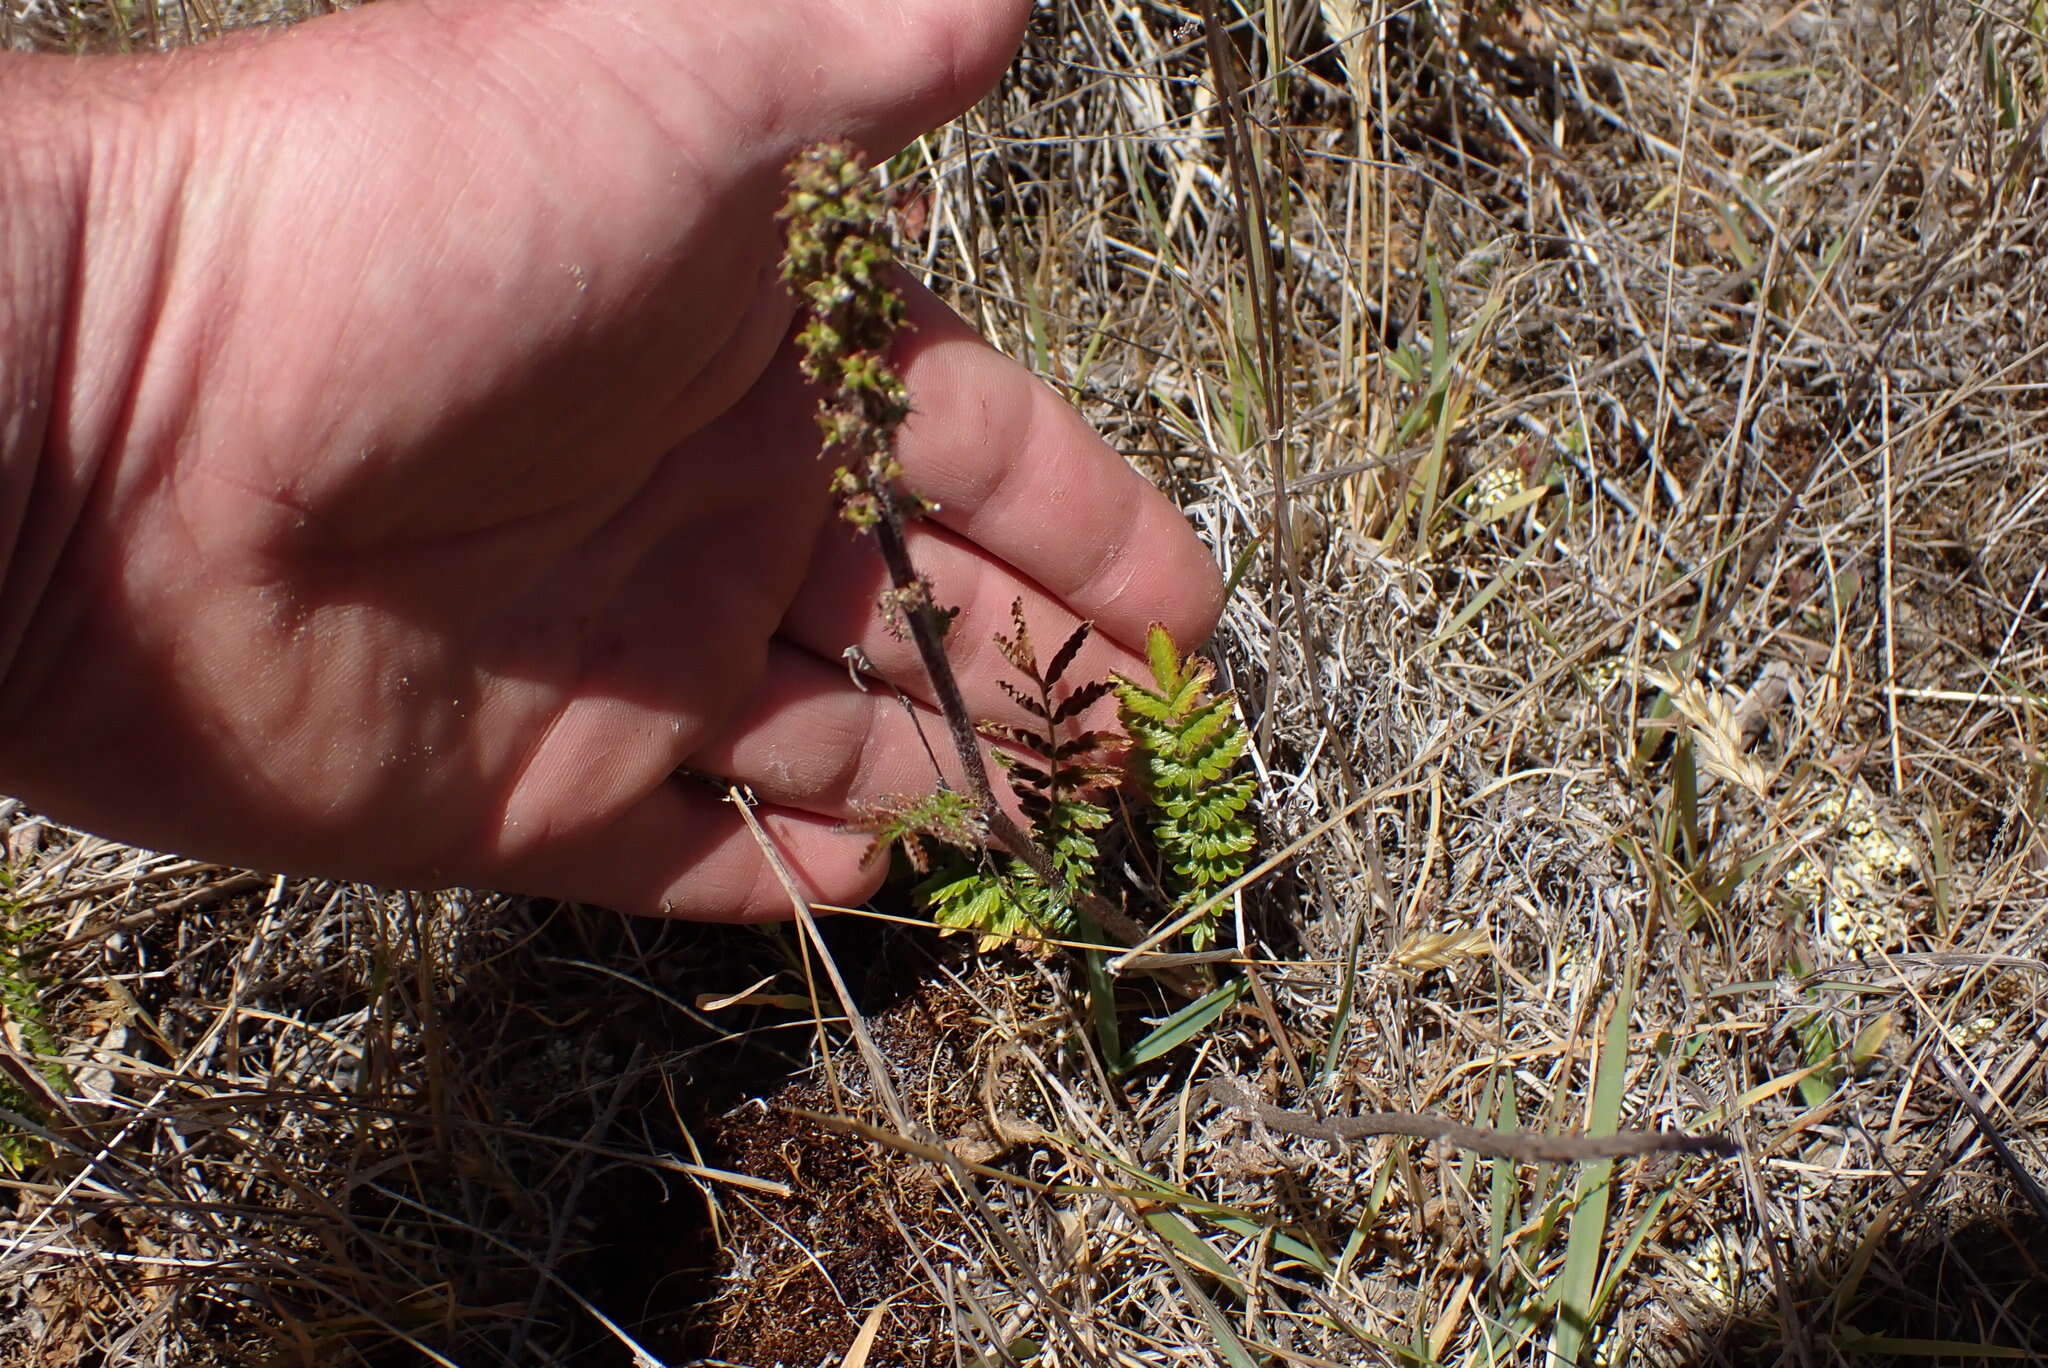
[[1622, 426]]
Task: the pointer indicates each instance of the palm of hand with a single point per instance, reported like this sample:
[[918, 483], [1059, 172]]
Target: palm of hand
[[447, 583]]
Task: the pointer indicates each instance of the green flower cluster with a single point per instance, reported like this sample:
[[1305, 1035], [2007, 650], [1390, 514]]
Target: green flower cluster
[[837, 261]]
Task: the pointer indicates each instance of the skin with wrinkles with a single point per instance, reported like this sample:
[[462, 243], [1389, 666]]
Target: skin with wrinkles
[[419, 474]]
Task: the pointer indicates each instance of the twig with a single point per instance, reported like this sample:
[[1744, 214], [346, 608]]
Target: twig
[[174, 870], [565, 1220], [174, 907], [880, 1077], [1526, 1146]]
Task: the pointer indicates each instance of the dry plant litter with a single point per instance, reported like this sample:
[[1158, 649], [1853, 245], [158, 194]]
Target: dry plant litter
[[1622, 426]]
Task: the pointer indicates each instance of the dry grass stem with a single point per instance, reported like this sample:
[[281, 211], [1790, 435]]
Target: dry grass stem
[[1624, 427]]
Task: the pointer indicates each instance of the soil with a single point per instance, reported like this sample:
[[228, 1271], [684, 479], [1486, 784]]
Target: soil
[[732, 1274]]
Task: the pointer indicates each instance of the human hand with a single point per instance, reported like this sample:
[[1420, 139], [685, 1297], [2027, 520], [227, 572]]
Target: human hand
[[429, 478]]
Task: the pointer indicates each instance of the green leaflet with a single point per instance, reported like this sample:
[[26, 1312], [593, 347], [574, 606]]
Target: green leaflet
[[1186, 746], [1186, 749]]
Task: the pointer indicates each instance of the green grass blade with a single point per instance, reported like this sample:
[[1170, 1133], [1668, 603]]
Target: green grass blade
[[1102, 1004], [1183, 1026], [1629, 1249], [1501, 1195], [1245, 560], [1334, 1046], [1232, 1348], [1246, 1225], [1439, 323], [1818, 1042], [1492, 590], [1927, 1348], [1575, 1286], [1194, 1249]]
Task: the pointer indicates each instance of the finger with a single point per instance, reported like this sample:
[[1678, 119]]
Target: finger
[[765, 78], [816, 741], [794, 71], [1017, 472], [683, 851], [836, 608], [579, 188]]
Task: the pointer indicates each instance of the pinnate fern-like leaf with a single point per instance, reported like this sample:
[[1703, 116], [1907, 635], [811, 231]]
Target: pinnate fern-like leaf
[[1054, 777], [1164, 657], [1080, 701], [1023, 700], [1017, 649], [1185, 749], [946, 816]]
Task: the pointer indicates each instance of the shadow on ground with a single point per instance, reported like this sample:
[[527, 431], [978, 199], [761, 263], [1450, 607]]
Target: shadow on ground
[[613, 1096], [1966, 1290]]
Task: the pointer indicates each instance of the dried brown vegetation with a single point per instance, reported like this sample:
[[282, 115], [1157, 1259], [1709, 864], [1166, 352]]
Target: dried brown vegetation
[[1627, 420]]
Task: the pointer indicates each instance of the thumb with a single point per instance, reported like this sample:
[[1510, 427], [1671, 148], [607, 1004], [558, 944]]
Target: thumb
[[769, 77], [882, 74]]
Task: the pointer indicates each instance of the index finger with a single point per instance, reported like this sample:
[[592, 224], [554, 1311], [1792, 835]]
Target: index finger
[[1017, 472]]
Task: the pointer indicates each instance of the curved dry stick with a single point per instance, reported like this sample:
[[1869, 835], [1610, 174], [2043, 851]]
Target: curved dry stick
[[1526, 1146]]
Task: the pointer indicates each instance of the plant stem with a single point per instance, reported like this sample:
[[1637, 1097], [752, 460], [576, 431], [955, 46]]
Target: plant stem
[[927, 631], [838, 260]]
